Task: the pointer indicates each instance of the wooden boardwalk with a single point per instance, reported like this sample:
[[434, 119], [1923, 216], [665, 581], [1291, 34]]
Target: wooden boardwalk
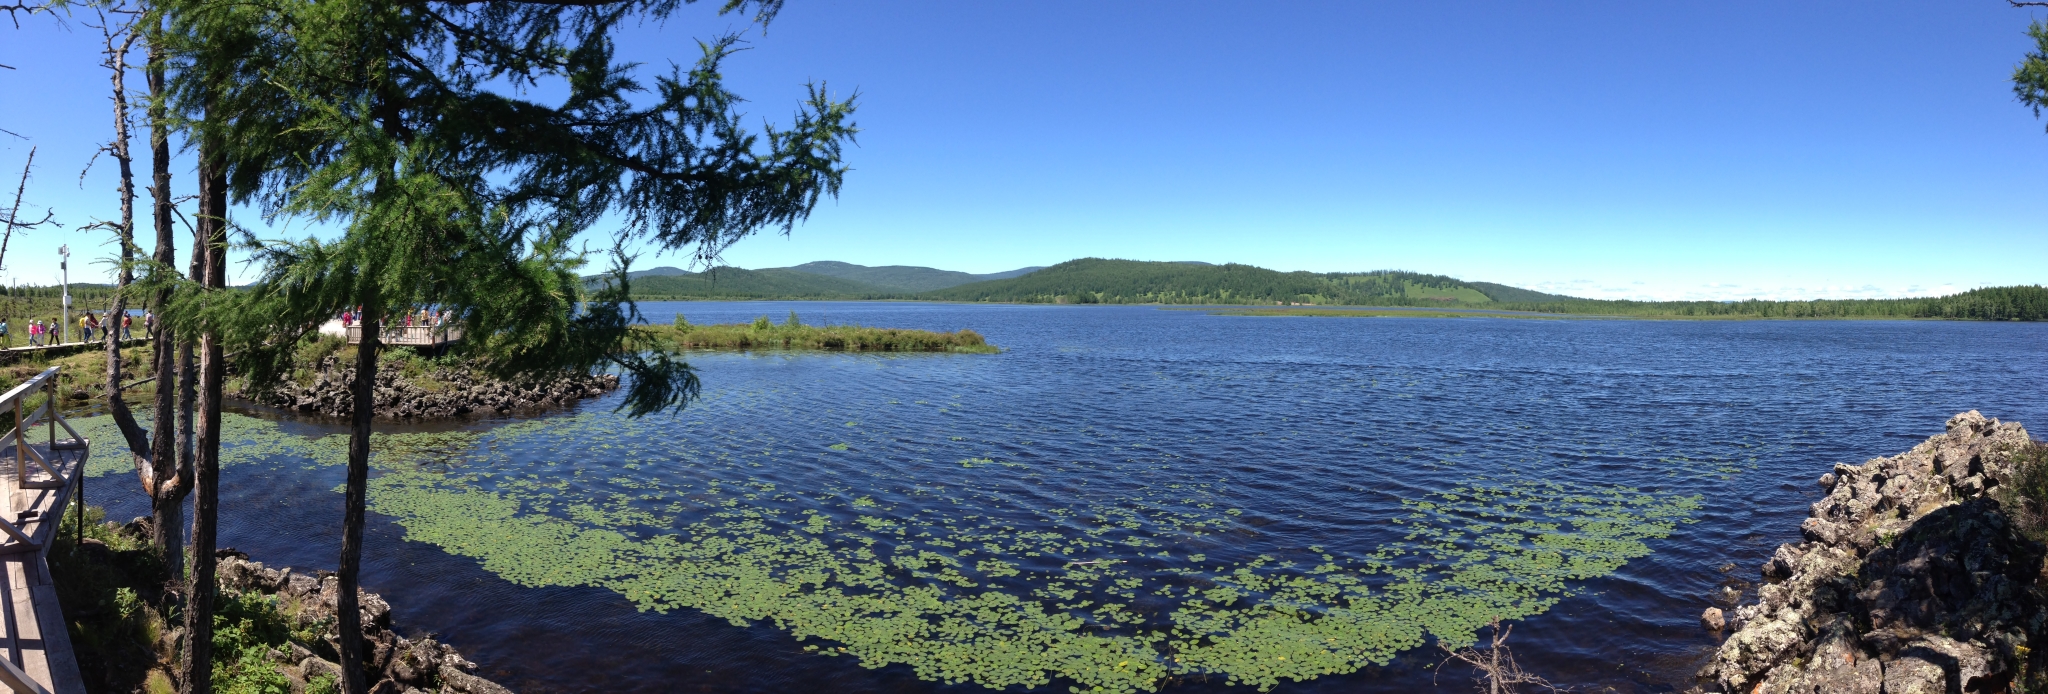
[[21, 348], [40, 465], [409, 335]]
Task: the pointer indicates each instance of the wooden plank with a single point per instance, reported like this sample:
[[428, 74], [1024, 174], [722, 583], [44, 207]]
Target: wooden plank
[[65, 677], [28, 638]]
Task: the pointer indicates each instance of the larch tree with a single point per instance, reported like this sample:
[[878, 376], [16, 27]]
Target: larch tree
[[394, 124]]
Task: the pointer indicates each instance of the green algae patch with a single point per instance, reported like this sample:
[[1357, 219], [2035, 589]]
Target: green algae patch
[[963, 583], [1474, 556]]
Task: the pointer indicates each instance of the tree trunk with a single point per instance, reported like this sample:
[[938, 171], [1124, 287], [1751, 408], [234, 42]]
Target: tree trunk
[[188, 372], [117, 407], [364, 391], [169, 479], [199, 598]]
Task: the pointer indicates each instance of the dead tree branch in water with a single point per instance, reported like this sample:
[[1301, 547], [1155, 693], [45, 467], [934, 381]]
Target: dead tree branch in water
[[1495, 670]]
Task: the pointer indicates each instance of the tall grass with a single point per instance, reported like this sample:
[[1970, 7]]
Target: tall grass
[[793, 334]]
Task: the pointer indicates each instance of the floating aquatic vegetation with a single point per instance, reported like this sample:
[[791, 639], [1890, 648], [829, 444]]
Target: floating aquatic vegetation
[[975, 577]]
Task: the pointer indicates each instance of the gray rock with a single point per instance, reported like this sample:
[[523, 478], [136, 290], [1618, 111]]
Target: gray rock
[[1713, 620], [1909, 579], [466, 683], [315, 667]]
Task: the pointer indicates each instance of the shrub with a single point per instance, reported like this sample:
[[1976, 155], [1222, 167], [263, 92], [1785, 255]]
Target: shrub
[[2025, 494]]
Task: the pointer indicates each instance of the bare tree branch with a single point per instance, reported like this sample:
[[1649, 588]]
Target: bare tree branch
[[14, 213], [1495, 670], [14, 12]]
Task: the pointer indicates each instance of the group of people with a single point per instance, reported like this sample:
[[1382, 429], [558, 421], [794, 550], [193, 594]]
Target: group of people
[[41, 333], [421, 318]]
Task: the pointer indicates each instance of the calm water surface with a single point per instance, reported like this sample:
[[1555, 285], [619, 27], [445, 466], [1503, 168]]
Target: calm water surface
[[1175, 442]]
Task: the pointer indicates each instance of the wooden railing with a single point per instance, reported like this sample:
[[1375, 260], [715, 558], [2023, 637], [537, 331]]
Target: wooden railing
[[34, 639], [409, 335]]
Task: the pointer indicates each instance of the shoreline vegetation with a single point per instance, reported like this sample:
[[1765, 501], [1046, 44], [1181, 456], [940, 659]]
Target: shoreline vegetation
[[794, 335], [1100, 281], [1386, 312], [274, 629]]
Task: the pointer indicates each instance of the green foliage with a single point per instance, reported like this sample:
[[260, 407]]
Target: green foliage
[[762, 334], [109, 598], [117, 612], [452, 193], [2024, 497], [317, 346], [2030, 79], [1504, 293], [246, 626]]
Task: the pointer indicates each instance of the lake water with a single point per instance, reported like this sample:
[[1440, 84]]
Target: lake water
[[1127, 496]]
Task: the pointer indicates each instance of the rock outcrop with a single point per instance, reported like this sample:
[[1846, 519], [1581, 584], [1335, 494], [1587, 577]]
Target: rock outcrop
[[394, 664], [1910, 579], [443, 393]]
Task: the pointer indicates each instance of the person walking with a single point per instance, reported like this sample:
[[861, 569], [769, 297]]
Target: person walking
[[127, 321], [4, 339], [35, 330], [85, 327]]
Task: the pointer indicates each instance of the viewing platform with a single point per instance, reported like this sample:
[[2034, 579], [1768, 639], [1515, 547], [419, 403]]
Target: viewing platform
[[398, 336], [409, 336]]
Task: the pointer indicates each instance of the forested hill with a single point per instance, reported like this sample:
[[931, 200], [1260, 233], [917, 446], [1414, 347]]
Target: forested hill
[[736, 283], [2025, 302], [1099, 281], [1095, 280], [902, 278]]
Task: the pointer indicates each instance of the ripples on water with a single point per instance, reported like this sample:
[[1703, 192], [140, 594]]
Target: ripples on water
[[1259, 455]]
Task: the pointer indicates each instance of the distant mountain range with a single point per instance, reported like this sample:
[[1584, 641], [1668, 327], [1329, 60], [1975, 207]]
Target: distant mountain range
[[1088, 280]]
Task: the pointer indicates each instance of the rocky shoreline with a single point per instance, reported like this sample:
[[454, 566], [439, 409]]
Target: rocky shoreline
[[1910, 578], [439, 394], [394, 664]]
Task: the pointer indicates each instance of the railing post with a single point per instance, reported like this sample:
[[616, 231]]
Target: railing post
[[20, 437]]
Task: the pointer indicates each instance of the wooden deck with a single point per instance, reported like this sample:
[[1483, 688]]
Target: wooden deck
[[39, 474], [409, 335]]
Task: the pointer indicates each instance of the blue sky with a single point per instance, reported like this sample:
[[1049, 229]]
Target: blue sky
[[1610, 149]]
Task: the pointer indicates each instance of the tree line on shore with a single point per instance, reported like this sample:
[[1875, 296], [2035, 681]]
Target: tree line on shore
[[1100, 281], [378, 120]]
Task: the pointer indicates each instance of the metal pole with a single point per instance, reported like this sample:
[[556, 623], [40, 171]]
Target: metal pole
[[64, 264], [79, 475]]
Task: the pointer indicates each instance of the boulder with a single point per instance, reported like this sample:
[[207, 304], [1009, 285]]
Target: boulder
[[1909, 578], [1713, 620]]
